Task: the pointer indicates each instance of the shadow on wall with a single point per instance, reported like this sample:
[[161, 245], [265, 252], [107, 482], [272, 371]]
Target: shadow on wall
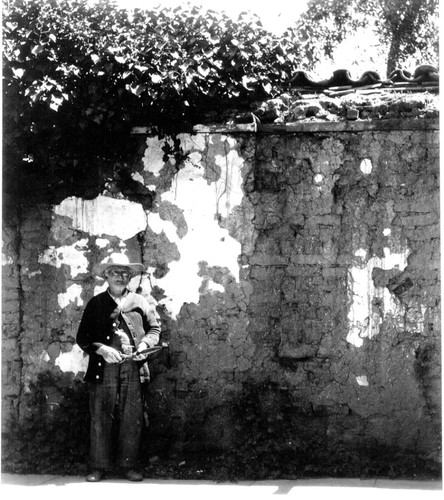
[[52, 437]]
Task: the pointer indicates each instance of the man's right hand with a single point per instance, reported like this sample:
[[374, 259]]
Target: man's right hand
[[109, 354]]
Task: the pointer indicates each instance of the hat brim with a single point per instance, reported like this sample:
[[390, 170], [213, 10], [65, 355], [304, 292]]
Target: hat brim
[[135, 269]]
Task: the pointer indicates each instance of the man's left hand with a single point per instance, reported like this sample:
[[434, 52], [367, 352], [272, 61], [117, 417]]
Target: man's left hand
[[141, 347]]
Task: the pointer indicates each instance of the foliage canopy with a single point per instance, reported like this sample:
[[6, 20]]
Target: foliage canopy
[[78, 77]]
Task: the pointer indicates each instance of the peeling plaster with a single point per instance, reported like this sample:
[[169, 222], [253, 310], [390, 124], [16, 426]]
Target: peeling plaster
[[366, 166], [73, 361], [215, 287], [73, 294], [102, 242], [6, 259], [153, 157], [104, 215], [202, 204], [362, 253], [228, 188], [363, 320], [158, 225], [34, 273], [362, 380], [73, 256], [137, 177]]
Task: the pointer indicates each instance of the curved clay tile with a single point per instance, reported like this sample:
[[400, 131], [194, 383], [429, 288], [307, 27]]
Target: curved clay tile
[[301, 79], [342, 78], [423, 73]]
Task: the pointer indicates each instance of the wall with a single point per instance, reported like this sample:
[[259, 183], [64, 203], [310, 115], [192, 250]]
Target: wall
[[296, 275]]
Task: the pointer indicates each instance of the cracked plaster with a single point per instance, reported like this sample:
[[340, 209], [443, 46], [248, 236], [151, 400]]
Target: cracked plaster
[[313, 265], [202, 203], [364, 322]]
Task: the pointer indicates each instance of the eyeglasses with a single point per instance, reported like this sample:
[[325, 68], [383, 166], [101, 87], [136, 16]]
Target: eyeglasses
[[115, 272]]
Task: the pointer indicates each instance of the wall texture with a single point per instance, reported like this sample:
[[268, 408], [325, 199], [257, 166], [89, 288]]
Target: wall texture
[[296, 275]]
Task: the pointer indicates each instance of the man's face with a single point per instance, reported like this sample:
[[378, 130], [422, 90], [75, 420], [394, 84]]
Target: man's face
[[118, 276]]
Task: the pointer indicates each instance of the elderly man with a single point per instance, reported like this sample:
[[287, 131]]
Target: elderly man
[[116, 327]]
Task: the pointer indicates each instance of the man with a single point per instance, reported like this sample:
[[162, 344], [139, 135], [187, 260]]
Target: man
[[116, 327]]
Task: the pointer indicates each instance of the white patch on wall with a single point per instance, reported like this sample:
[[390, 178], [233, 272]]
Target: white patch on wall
[[102, 242], [104, 215], [34, 273], [71, 255], [44, 356], [362, 380], [73, 294], [211, 286], [153, 157], [202, 204], [73, 361], [228, 189], [363, 321], [366, 166], [158, 225], [361, 252], [6, 259], [137, 177]]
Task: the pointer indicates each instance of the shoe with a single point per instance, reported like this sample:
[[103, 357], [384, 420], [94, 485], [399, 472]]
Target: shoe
[[133, 475], [95, 476]]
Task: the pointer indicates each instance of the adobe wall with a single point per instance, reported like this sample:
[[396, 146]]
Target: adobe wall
[[296, 275]]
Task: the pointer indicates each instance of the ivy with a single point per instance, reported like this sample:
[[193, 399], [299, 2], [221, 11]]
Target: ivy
[[79, 76]]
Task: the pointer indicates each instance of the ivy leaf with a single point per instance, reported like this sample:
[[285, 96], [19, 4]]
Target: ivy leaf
[[137, 89], [247, 81], [11, 26], [142, 69], [204, 70], [156, 78], [267, 87], [37, 49], [18, 72]]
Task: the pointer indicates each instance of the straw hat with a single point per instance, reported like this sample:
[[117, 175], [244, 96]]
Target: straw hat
[[118, 260]]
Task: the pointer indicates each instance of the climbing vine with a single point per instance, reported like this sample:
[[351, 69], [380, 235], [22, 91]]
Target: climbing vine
[[79, 76]]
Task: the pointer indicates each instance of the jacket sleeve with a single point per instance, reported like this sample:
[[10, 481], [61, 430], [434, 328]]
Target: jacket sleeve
[[86, 329], [151, 326]]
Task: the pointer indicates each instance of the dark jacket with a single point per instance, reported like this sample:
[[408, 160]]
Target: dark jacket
[[99, 321]]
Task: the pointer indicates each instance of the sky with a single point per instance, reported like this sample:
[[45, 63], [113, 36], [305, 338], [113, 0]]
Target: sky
[[276, 15]]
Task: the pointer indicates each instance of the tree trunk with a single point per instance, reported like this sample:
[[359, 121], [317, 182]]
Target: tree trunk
[[393, 55]]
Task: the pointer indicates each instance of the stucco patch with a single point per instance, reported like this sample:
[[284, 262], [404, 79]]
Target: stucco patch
[[363, 321], [104, 215], [362, 380], [73, 294], [102, 242], [73, 361], [6, 259], [71, 255], [205, 241], [366, 166]]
